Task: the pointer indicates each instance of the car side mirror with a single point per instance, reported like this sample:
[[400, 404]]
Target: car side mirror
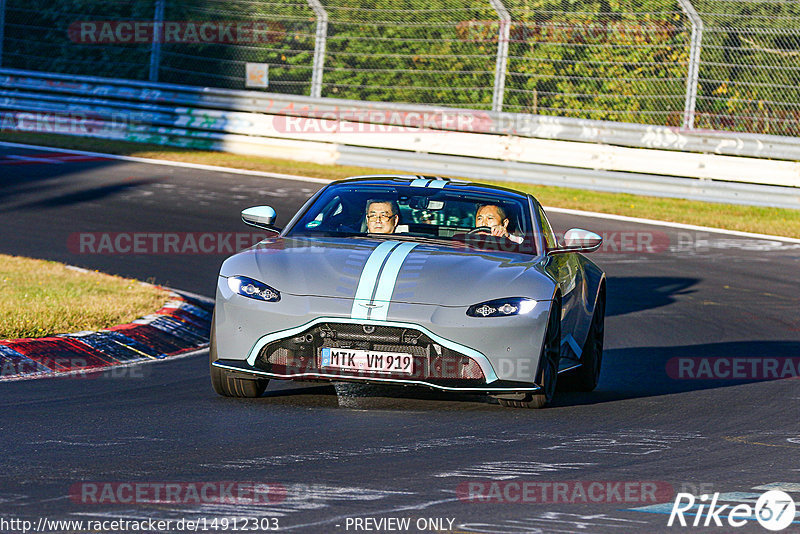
[[260, 217], [578, 240]]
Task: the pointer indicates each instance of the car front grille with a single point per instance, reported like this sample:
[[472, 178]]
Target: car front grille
[[300, 354]]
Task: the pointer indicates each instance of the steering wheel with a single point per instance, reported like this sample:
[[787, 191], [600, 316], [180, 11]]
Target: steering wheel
[[480, 229]]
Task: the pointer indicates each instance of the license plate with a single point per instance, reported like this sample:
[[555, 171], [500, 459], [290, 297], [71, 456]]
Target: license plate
[[367, 360]]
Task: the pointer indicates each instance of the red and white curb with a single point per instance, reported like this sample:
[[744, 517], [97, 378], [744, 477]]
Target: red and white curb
[[181, 325]]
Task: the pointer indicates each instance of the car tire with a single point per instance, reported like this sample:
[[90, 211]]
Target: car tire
[[227, 385], [547, 375], [587, 376]]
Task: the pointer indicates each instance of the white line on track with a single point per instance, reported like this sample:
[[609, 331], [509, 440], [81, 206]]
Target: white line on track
[[671, 224], [300, 178], [183, 164], [27, 159]]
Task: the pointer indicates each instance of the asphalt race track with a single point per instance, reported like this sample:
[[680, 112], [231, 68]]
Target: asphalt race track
[[334, 455]]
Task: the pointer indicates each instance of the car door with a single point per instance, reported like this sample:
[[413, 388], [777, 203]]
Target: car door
[[566, 270]]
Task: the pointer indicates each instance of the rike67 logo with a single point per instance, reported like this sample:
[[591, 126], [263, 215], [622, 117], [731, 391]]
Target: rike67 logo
[[774, 510]]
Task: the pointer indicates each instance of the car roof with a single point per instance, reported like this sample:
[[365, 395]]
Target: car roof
[[428, 181]]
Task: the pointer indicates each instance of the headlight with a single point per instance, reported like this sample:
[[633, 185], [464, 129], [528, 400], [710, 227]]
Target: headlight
[[247, 287], [502, 307]]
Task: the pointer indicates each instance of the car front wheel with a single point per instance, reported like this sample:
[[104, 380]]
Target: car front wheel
[[586, 377], [228, 385], [548, 367]]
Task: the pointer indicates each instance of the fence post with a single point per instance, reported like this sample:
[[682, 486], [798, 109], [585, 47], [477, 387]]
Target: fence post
[[319, 47], [155, 50], [693, 74], [2, 28], [502, 55]]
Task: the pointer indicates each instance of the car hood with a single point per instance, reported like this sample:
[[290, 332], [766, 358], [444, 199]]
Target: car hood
[[418, 273]]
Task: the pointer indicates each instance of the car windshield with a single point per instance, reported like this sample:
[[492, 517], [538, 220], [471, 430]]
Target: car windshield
[[464, 216]]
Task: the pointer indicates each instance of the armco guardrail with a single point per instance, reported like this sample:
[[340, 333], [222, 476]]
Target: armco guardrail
[[538, 126], [507, 146]]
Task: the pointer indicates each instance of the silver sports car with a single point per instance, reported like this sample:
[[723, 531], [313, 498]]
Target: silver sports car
[[412, 280]]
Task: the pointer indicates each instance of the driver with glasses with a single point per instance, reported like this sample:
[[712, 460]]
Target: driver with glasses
[[382, 216]]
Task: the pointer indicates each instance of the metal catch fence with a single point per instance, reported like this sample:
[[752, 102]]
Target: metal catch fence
[[729, 65]]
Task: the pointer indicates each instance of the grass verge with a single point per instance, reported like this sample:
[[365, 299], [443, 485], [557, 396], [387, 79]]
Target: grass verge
[[58, 299], [763, 220]]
